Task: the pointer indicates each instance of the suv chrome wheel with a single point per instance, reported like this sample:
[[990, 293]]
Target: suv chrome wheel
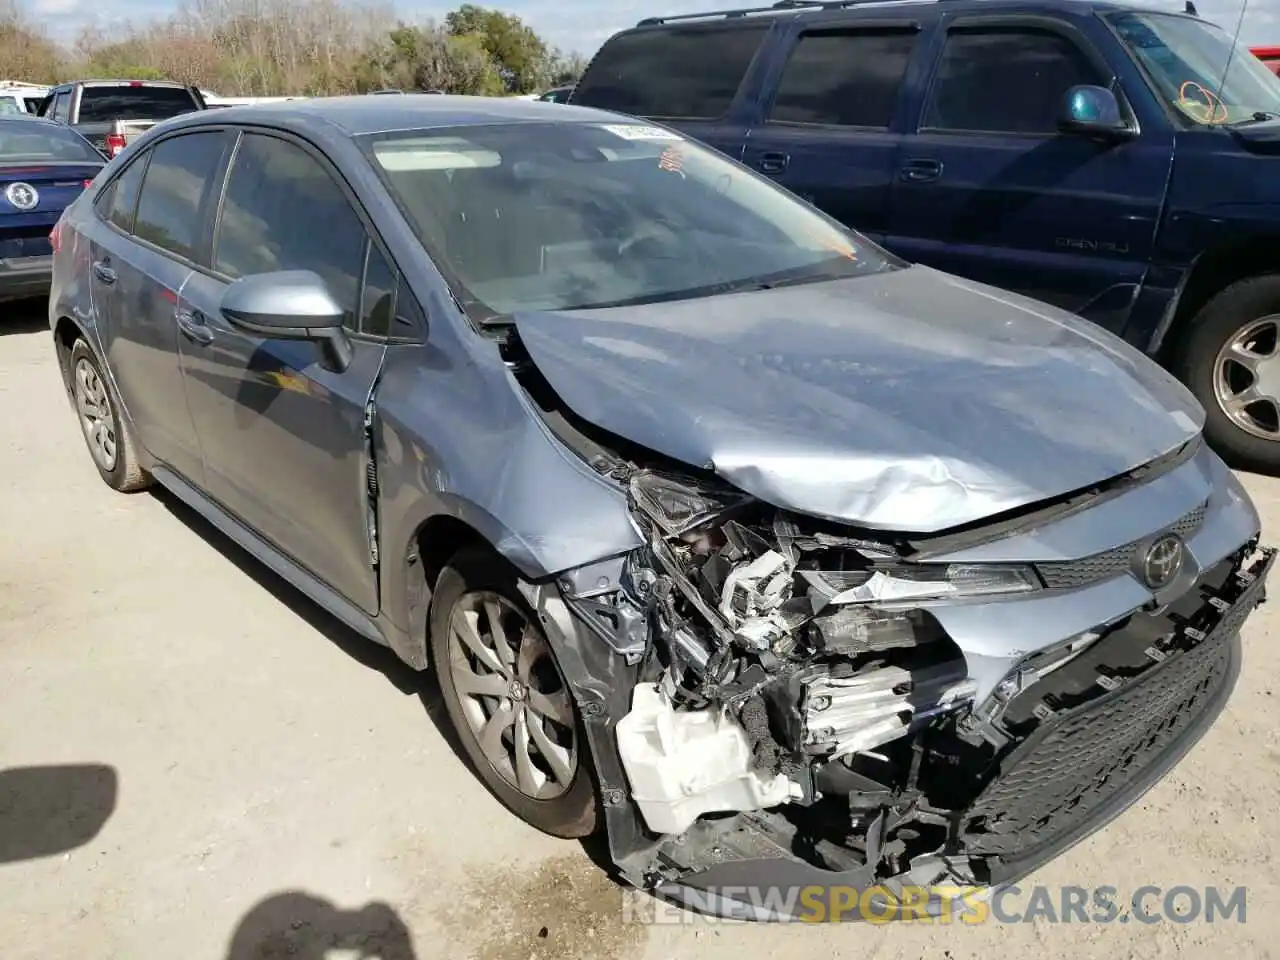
[[1246, 378]]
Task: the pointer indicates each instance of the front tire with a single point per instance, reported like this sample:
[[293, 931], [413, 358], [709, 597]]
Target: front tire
[[507, 697], [1231, 362], [109, 439]]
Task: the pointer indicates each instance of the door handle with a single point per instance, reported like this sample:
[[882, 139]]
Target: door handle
[[774, 162], [194, 328], [102, 270], [921, 170]]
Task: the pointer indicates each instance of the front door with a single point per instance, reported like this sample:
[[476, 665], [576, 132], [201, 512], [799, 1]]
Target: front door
[[829, 134], [988, 189], [282, 434]]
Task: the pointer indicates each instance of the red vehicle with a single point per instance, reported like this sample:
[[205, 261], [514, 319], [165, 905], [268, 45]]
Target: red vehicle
[[1270, 56]]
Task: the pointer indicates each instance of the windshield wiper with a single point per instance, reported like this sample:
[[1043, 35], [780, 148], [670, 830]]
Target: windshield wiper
[[1258, 116]]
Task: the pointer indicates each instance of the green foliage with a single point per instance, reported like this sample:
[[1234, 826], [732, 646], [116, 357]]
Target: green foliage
[[521, 56]]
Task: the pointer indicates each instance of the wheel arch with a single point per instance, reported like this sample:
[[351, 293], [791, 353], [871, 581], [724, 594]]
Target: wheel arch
[[1211, 273]]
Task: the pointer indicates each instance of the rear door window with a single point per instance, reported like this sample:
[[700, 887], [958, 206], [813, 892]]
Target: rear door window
[[126, 102], [120, 200], [175, 192], [690, 73], [1005, 80], [846, 78], [61, 106]]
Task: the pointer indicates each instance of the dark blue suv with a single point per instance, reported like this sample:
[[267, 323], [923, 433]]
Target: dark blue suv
[[1121, 162]]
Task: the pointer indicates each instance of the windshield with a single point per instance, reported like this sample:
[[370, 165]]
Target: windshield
[[557, 216], [1187, 58], [8, 105], [21, 142]]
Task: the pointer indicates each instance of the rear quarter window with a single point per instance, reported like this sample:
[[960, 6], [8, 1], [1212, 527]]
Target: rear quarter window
[[688, 73], [102, 104]]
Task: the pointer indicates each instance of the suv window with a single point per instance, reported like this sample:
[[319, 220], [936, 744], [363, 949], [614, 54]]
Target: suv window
[[688, 72], [182, 171], [283, 211], [1005, 80], [844, 78], [60, 107], [128, 102], [121, 198]]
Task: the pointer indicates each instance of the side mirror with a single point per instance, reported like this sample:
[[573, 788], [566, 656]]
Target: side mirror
[[289, 305], [1091, 111]]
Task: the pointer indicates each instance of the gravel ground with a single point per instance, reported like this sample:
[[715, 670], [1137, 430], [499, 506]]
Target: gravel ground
[[276, 787]]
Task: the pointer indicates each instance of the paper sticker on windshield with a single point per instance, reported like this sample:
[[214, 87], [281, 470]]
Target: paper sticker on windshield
[[637, 131]]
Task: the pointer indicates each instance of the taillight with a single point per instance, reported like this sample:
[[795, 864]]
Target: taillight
[[55, 237], [115, 143]]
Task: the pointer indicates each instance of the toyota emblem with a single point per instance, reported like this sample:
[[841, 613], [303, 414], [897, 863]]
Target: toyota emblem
[[22, 195], [1163, 561]]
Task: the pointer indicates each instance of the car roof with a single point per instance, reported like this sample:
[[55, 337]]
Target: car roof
[[359, 115], [732, 16], [28, 118]]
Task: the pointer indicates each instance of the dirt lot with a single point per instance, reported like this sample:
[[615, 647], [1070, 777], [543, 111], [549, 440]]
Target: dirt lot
[[275, 786]]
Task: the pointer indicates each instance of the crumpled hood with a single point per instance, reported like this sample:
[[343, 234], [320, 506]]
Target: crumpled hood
[[909, 400]]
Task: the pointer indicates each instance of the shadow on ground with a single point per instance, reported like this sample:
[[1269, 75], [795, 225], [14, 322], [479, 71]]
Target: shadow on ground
[[301, 926], [24, 316], [45, 811]]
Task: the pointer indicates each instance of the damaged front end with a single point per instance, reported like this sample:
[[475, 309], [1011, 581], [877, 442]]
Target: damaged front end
[[777, 703]]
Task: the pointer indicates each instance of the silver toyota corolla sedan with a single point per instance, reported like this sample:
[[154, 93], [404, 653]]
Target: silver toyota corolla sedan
[[779, 560]]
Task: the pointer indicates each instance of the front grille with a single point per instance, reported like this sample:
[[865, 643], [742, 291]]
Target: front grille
[[1066, 769], [1092, 743], [1113, 562]]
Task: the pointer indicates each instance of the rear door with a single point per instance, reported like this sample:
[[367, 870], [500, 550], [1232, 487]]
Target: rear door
[[832, 126], [696, 77], [143, 254], [989, 189], [283, 435]]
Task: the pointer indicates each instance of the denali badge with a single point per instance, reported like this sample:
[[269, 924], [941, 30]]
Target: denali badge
[[22, 195], [1163, 561]]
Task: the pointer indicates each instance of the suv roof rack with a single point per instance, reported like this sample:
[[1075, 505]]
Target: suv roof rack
[[780, 7]]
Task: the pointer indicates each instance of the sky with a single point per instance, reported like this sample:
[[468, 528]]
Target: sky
[[582, 25]]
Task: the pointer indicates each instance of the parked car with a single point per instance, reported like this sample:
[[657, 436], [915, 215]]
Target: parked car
[[557, 94], [1269, 56], [780, 559], [111, 113], [43, 167], [1085, 154], [26, 97]]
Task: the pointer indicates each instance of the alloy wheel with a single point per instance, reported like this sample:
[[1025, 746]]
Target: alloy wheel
[[1246, 378], [96, 417], [513, 695]]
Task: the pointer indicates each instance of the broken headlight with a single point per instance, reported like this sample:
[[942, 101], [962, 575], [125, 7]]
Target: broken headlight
[[678, 504], [932, 581]]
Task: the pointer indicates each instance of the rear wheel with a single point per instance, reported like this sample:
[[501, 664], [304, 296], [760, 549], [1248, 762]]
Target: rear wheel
[[1231, 362], [508, 699], [110, 442]]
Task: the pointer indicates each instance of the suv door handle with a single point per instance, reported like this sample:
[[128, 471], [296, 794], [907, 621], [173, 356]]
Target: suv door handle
[[102, 270], [774, 162], [921, 170], [194, 328]]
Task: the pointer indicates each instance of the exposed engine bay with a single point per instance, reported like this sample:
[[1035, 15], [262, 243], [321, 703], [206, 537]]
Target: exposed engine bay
[[796, 698]]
